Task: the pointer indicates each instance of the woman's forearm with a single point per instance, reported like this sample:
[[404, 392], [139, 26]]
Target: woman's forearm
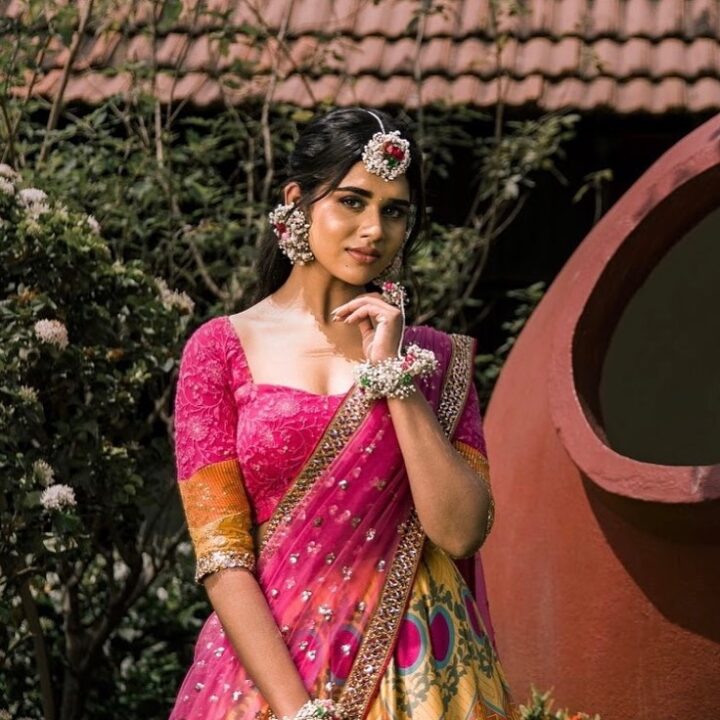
[[251, 629], [451, 500]]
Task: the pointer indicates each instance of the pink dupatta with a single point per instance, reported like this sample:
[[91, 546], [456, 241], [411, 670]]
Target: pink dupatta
[[339, 556]]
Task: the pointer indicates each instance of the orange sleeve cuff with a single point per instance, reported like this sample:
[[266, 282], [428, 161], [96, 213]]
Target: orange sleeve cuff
[[478, 462], [219, 518]]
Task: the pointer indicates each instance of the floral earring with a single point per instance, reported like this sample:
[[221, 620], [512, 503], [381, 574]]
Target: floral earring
[[292, 229]]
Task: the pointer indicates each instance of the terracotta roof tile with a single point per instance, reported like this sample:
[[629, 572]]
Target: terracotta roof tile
[[703, 58], [621, 55], [703, 95], [604, 17], [599, 93]]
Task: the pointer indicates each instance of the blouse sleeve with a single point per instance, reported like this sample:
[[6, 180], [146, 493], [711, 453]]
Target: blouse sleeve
[[209, 478], [469, 441]]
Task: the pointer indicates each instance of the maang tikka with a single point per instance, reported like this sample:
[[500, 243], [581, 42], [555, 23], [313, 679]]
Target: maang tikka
[[292, 229], [386, 154]]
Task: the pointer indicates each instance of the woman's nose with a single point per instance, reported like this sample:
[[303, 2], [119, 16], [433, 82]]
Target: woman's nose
[[371, 226]]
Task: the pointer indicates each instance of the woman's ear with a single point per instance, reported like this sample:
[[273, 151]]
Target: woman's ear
[[292, 193]]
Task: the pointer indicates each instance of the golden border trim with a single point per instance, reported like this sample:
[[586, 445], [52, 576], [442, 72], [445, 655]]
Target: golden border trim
[[378, 640], [457, 383], [342, 427]]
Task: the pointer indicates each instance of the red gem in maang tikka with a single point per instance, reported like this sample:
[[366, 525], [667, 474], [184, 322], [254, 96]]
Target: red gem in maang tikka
[[394, 153]]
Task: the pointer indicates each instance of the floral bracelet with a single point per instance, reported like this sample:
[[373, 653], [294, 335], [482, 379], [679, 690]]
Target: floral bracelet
[[315, 710], [393, 378]]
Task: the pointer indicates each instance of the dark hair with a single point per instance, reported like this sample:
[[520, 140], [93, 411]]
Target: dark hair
[[324, 153]]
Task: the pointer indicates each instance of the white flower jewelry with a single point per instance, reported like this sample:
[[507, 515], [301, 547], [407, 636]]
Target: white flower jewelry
[[386, 154], [393, 378], [394, 293], [316, 710], [292, 229]]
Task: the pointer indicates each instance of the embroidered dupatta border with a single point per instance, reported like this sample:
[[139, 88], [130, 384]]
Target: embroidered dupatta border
[[379, 639]]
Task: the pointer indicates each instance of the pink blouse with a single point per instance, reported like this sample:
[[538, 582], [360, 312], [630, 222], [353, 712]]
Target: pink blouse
[[271, 430]]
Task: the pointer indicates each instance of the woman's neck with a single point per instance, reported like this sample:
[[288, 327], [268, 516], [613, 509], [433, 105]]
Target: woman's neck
[[311, 290]]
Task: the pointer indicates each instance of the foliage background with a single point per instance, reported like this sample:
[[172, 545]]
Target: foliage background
[[104, 627]]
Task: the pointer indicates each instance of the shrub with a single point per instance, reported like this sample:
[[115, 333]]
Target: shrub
[[87, 345]]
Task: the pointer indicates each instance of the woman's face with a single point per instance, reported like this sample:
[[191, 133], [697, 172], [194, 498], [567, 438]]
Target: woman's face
[[358, 228]]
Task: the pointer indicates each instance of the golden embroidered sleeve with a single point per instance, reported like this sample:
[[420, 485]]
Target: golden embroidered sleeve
[[211, 485]]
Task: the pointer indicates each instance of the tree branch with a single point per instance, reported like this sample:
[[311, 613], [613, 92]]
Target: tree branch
[[85, 14], [42, 658]]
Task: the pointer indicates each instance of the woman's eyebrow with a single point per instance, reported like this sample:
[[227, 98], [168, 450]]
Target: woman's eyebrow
[[367, 194]]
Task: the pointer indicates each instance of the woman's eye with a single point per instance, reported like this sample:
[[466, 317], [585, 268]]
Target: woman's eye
[[351, 202], [394, 211]]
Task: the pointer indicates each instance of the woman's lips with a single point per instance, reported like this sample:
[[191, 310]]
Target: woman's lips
[[363, 257]]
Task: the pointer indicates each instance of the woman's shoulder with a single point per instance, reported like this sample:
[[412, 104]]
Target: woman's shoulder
[[209, 342]]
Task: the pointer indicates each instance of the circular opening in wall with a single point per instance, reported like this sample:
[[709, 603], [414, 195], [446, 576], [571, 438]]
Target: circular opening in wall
[[659, 389]]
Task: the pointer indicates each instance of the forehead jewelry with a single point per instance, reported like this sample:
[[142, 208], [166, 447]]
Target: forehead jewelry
[[386, 153]]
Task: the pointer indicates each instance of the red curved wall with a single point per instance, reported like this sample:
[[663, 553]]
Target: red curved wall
[[603, 572]]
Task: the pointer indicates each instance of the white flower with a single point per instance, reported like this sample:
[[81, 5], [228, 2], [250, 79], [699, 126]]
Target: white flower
[[6, 186], [93, 223], [32, 196], [173, 299], [28, 394], [7, 172], [34, 201], [512, 187], [43, 472], [120, 570], [126, 665], [56, 496], [162, 594], [184, 548], [52, 332]]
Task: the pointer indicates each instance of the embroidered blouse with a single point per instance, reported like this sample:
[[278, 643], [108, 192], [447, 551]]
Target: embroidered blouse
[[240, 444]]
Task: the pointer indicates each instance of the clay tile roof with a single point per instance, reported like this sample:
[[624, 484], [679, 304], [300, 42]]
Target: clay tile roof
[[615, 55]]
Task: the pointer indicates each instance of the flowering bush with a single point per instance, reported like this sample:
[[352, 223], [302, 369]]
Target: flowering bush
[[87, 349]]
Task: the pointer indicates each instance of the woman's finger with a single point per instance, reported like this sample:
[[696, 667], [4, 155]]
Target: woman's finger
[[353, 304], [382, 314]]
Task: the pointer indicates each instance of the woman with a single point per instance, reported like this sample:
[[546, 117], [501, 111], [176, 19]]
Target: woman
[[331, 461]]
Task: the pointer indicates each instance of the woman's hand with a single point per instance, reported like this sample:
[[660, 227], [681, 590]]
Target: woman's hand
[[380, 324]]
